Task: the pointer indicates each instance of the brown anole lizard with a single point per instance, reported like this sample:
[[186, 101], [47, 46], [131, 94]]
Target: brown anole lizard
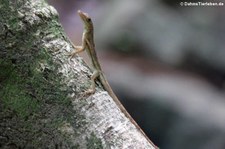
[[88, 44]]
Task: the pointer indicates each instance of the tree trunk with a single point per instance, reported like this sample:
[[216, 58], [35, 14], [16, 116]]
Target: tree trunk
[[42, 100]]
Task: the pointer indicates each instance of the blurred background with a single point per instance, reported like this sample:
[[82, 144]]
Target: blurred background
[[165, 62]]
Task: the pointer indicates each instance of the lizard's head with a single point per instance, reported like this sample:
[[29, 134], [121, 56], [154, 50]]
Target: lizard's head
[[86, 19]]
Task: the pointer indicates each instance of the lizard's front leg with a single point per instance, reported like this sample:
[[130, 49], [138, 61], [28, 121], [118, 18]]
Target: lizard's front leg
[[77, 50]]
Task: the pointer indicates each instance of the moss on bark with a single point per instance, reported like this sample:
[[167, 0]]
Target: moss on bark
[[33, 103]]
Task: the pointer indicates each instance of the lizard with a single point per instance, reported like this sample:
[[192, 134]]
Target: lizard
[[89, 45]]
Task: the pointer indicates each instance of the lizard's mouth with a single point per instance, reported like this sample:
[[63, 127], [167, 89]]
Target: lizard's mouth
[[82, 14]]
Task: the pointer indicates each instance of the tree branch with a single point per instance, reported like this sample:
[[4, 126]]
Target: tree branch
[[42, 102]]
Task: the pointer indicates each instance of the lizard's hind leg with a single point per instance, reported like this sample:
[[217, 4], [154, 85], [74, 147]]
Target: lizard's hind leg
[[94, 76]]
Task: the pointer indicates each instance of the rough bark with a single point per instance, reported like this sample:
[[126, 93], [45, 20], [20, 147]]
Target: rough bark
[[42, 101]]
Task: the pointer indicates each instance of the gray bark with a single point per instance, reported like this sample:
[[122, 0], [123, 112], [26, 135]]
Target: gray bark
[[42, 100]]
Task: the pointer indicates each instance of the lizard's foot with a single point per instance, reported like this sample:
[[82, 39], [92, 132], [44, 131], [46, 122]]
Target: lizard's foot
[[89, 92], [77, 50], [72, 54]]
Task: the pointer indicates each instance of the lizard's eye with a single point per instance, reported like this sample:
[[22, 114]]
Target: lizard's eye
[[89, 20]]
